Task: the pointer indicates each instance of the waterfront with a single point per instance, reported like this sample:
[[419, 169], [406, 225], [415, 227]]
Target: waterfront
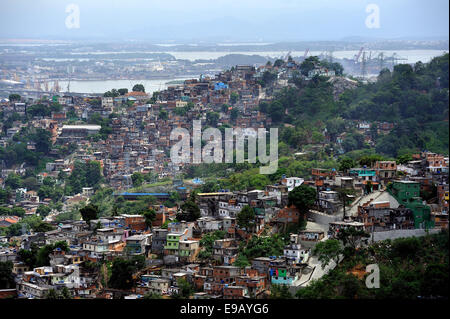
[[103, 86], [411, 56], [151, 85]]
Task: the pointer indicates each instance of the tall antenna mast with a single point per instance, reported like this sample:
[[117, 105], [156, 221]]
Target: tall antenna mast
[[363, 64]]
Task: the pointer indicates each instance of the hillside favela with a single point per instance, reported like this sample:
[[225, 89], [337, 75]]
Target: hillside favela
[[248, 150]]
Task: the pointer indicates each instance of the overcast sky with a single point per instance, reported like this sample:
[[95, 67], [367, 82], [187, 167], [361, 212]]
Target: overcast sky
[[233, 20]]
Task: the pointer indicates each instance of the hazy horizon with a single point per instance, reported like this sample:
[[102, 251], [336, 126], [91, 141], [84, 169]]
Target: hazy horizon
[[224, 21]]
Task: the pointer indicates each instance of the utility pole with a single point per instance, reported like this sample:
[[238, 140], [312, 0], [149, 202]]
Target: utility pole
[[344, 198], [373, 226]]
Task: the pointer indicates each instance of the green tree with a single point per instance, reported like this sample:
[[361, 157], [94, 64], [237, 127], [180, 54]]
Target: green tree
[[212, 118], [327, 251], [6, 276], [234, 97], [280, 292], [241, 261], [14, 211], [89, 212], [276, 111], [30, 183], [4, 195], [42, 257], [42, 138], [234, 114], [43, 227], [437, 280], [14, 97], [189, 211], [152, 295], [263, 246], [309, 64], [137, 178], [43, 210], [352, 237], [207, 243], [267, 78], [351, 286], [403, 159], [278, 63], [149, 216], [13, 181], [186, 289], [122, 272], [122, 91], [16, 229], [163, 115], [138, 88], [65, 293], [29, 257], [246, 217], [84, 174], [370, 160], [303, 197], [346, 163], [51, 294]]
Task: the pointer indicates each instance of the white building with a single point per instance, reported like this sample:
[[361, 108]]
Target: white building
[[295, 252], [107, 102], [208, 224], [292, 182]]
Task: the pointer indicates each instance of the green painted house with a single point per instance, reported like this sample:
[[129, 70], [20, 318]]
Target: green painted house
[[173, 240], [407, 193]]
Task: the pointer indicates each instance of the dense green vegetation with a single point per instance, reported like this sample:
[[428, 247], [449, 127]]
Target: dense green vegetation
[[413, 98], [246, 217], [207, 243], [84, 174], [105, 124], [280, 292], [245, 176], [263, 246], [17, 152], [123, 270], [54, 294], [37, 257], [185, 289], [6, 275], [189, 210], [13, 211], [26, 224], [409, 268], [313, 61]]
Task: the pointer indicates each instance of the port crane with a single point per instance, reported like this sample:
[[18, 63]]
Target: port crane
[[287, 56], [69, 72], [306, 53], [363, 64], [395, 58], [359, 54]]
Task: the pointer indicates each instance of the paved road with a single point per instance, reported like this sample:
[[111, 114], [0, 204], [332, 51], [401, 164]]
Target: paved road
[[318, 272]]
